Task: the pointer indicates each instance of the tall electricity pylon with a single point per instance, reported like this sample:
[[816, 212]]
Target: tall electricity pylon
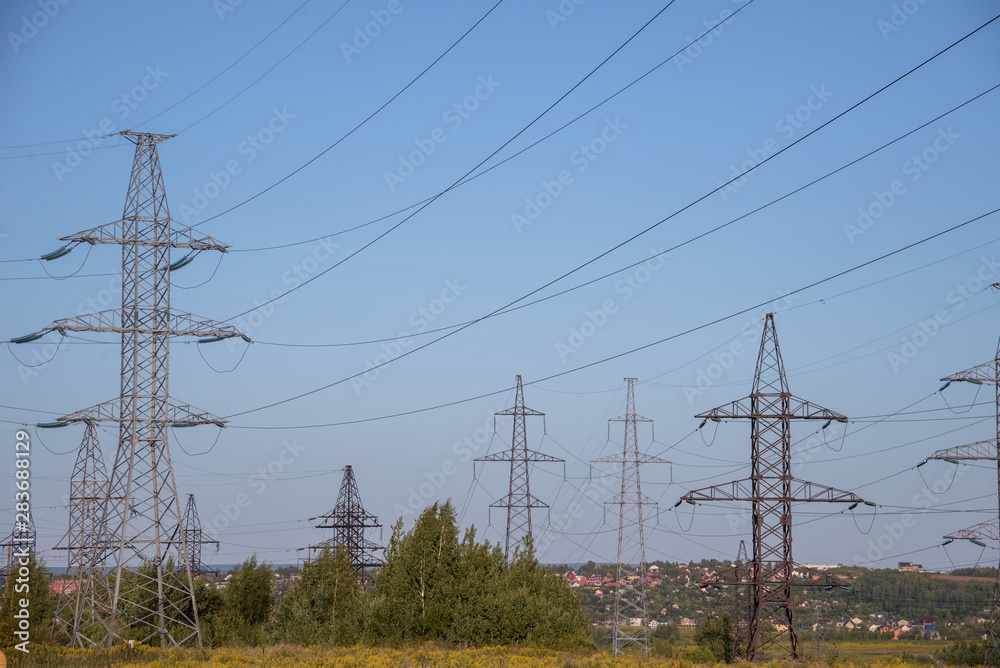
[[82, 613], [742, 602], [20, 543], [771, 490], [989, 451], [630, 607], [152, 591], [349, 521], [194, 538], [519, 501]]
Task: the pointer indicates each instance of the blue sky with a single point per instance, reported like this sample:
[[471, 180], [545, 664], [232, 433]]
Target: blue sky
[[870, 344]]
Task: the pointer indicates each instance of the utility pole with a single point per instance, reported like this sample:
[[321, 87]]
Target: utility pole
[[20, 542], [82, 613], [519, 500], [151, 588], [989, 450], [349, 521], [771, 490], [194, 538], [630, 607]]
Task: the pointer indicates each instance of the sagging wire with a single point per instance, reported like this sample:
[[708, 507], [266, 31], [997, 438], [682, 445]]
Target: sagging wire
[[953, 478], [714, 434], [207, 280], [678, 516], [40, 364], [854, 517], [197, 454], [59, 253], [58, 454], [209, 364], [842, 438], [972, 404], [942, 546]]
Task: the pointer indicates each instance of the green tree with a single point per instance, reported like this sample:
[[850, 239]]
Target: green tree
[[28, 584], [716, 635], [325, 606], [247, 604]]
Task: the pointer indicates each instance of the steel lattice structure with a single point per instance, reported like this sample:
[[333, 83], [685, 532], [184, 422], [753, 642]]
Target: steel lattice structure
[[630, 587], [349, 521], [988, 450], [742, 600], [82, 612], [771, 490], [19, 544], [519, 501], [194, 538], [151, 590]]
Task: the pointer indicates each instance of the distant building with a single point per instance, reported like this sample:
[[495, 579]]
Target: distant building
[[910, 567]]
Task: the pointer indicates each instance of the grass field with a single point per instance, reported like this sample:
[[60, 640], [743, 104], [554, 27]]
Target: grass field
[[877, 655]]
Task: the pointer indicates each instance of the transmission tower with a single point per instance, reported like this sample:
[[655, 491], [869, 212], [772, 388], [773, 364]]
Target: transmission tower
[[742, 600], [771, 490], [19, 544], [194, 538], [152, 591], [349, 521], [82, 613], [519, 500], [988, 450], [630, 614]]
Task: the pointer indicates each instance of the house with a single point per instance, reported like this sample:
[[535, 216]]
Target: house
[[687, 622], [910, 567], [63, 587], [927, 623]]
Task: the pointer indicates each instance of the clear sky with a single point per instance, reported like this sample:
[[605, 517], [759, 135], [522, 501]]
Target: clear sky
[[295, 100]]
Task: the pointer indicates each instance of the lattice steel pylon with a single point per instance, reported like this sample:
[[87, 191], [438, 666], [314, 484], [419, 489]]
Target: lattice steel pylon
[[20, 543], [742, 600], [630, 604], [988, 450], [151, 588], [350, 521], [194, 539], [519, 501], [81, 613], [771, 490]]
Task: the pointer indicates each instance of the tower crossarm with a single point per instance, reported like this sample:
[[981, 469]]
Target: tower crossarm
[[178, 415], [633, 458], [984, 373], [114, 233], [528, 501], [180, 323], [798, 491], [987, 450], [770, 406], [989, 530], [523, 455]]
